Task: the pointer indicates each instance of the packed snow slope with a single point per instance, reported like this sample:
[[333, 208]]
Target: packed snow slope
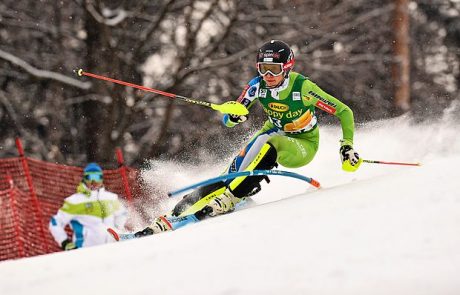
[[381, 230]]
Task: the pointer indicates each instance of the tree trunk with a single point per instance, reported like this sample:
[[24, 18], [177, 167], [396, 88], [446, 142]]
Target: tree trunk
[[97, 113], [401, 66]]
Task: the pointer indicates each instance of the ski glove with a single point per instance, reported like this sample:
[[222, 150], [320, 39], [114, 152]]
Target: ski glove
[[237, 119], [350, 158], [67, 245], [233, 120]]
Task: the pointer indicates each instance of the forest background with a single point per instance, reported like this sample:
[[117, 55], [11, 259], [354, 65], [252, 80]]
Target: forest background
[[383, 58]]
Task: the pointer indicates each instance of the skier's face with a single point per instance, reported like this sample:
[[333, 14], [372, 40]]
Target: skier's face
[[272, 81], [93, 185], [93, 181]]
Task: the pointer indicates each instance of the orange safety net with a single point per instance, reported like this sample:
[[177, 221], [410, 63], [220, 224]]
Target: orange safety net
[[31, 191]]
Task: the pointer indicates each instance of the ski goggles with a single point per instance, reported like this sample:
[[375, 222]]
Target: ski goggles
[[275, 69], [94, 177]]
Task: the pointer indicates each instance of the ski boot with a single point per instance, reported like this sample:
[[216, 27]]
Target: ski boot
[[159, 225], [224, 203]]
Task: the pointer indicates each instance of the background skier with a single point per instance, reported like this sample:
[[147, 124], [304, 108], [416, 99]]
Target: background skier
[[88, 212]]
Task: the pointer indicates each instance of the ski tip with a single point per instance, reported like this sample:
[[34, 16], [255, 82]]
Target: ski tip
[[113, 233]]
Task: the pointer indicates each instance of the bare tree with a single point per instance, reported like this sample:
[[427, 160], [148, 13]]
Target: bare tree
[[401, 66], [203, 49]]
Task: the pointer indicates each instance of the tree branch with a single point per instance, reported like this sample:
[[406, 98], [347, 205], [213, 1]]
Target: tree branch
[[146, 35], [41, 74]]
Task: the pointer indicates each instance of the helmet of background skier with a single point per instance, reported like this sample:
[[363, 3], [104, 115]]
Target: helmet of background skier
[[92, 167], [276, 51]]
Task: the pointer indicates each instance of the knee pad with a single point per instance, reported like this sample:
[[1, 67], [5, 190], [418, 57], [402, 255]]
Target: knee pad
[[265, 160]]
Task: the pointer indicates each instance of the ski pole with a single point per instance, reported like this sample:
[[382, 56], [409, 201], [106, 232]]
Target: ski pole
[[392, 163], [229, 107], [234, 175]]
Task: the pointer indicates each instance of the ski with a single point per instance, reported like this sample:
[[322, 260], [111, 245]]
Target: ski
[[120, 236], [175, 222]]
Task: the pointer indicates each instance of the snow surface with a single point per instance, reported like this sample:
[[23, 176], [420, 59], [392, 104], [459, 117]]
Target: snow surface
[[382, 230]]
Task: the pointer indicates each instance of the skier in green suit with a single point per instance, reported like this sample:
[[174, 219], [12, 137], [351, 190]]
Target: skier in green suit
[[289, 137]]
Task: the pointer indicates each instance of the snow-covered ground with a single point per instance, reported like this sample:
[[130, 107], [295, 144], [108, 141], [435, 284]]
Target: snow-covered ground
[[381, 230]]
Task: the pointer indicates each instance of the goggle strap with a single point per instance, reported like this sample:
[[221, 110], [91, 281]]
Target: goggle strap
[[288, 65]]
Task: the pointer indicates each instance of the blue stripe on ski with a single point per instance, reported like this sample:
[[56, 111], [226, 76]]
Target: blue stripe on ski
[[126, 236], [178, 222], [241, 173]]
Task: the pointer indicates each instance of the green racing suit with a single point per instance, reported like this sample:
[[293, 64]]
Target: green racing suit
[[289, 137]]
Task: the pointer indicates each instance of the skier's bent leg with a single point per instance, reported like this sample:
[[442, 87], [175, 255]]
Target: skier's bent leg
[[191, 203], [245, 186], [295, 152], [198, 199], [223, 197]]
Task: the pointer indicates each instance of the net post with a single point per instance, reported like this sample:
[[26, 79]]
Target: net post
[[33, 194], [13, 205], [124, 177]]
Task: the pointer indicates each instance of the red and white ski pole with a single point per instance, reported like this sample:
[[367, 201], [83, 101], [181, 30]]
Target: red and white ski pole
[[230, 107], [392, 163]]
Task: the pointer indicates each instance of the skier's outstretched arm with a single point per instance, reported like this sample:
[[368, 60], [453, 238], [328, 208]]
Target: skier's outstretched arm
[[313, 94]]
